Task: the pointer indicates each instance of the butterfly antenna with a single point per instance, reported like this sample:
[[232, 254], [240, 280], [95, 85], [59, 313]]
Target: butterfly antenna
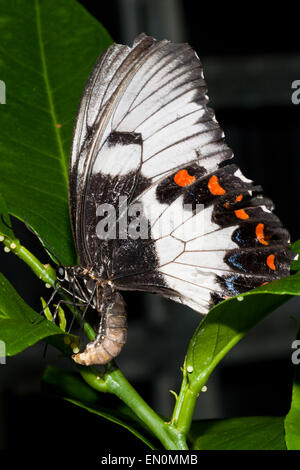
[[5, 223], [48, 247]]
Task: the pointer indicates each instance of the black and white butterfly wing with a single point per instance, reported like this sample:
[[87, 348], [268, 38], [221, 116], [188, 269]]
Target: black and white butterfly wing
[[146, 143]]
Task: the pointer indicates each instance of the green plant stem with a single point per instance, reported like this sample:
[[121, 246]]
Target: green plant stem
[[43, 271], [185, 406], [46, 273], [113, 381]]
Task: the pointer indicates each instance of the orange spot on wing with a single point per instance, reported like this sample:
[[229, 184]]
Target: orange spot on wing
[[183, 178], [238, 198], [58, 125], [264, 283], [270, 262], [260, 234], [226, 205], [214, 186], [241, 214]]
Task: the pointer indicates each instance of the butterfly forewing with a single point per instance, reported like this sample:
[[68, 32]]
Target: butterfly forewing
[[154, 206]]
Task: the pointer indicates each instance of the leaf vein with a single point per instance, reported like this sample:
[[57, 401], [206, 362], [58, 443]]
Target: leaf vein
[[49, 93]]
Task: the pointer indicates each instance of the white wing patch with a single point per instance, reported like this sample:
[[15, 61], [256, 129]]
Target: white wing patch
[[196, 226], [168, 249], [196, 286], [221, 239], [119, 159]]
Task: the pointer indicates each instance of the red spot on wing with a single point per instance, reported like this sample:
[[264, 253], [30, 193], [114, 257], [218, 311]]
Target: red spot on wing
[[271, 262], [214, 186], [183, 178]]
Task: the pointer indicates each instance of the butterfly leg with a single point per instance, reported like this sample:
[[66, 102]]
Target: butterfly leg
[[65, 302]]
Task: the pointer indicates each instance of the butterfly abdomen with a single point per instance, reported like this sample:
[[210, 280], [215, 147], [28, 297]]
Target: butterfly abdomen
[[111, 336]]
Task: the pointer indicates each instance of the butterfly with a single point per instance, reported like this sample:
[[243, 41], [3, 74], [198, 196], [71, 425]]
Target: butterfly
[[155, 203]]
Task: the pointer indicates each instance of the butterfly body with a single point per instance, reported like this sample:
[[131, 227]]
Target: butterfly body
[[154, 204], [101, 295]]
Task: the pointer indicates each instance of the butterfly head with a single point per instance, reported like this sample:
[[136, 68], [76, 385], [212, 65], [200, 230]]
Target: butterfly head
[[60, 273]]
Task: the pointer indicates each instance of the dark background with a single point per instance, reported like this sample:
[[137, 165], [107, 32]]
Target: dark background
[[250, 57]]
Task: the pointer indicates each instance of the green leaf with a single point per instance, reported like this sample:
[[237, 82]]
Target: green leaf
[[121, 415], [16, 327], [251, 433], [292, 420], [80, 394], [62, 318], [71, 384], [47, 50], [46, 309], [228, 322], [4, 230]]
